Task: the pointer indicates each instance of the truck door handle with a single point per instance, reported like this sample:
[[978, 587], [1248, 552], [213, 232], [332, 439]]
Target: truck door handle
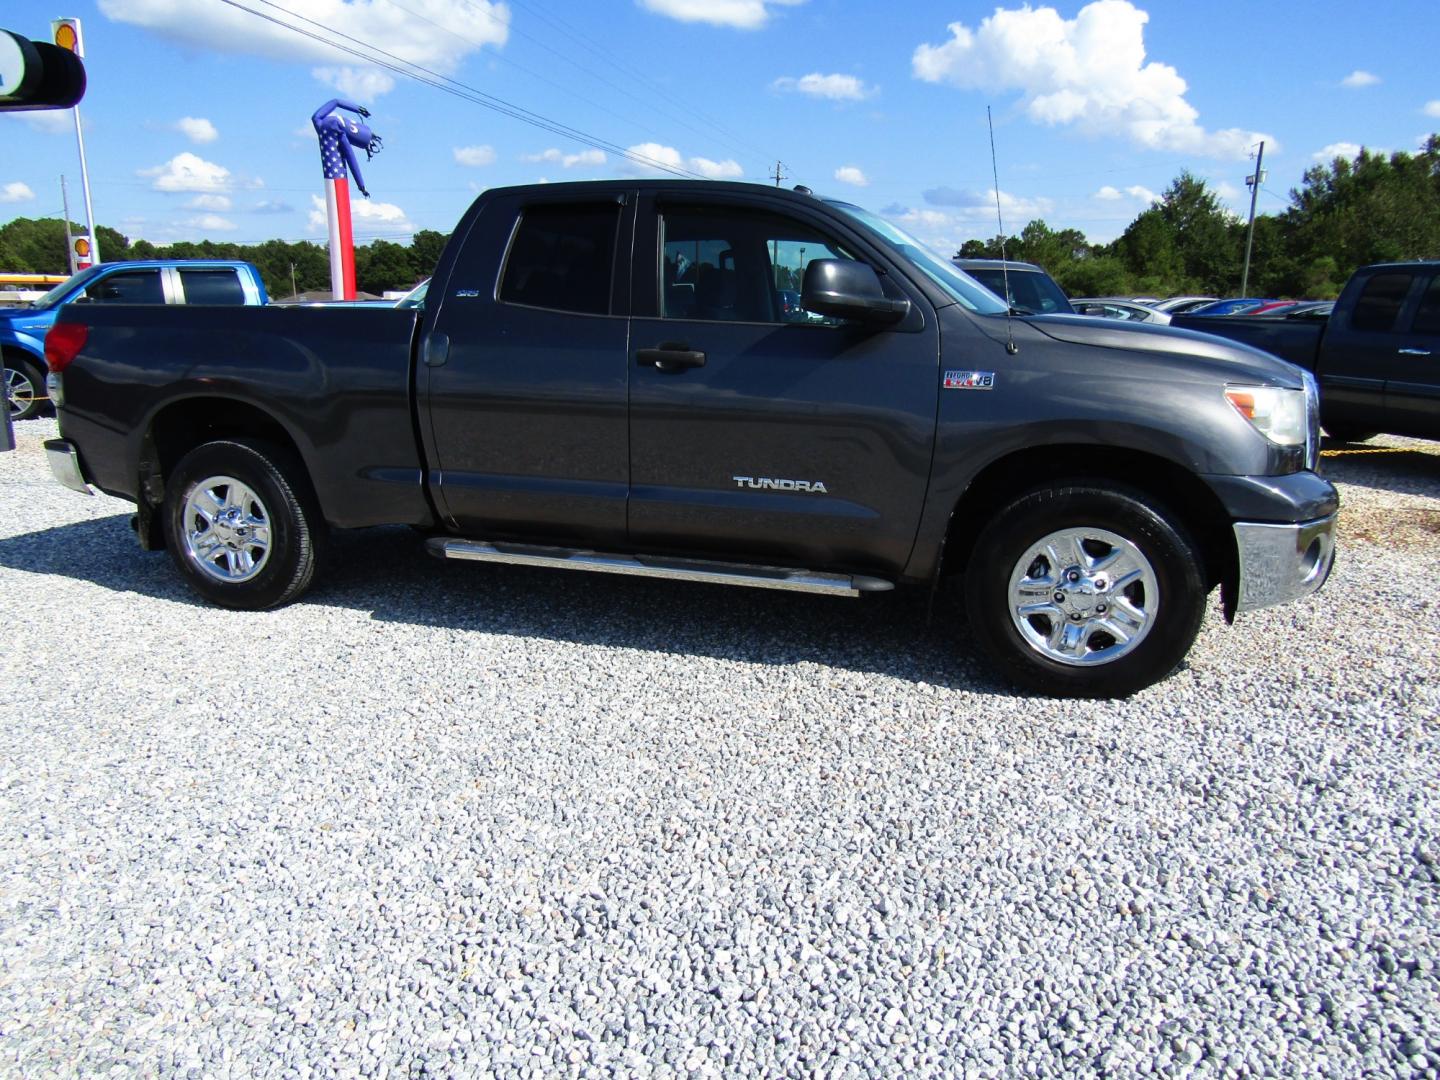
[[1414, 352], [670, 357]]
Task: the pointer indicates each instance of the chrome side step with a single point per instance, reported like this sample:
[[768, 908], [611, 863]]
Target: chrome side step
[[759, 577]]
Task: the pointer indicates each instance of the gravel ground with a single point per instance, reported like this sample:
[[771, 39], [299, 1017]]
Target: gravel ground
[[457, 820]]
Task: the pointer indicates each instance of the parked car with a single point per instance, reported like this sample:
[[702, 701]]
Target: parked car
[[1178, 305], [1125, 310], [1032, 290], [23, 329], [564, 400], [1237, 306], [1374, 354]]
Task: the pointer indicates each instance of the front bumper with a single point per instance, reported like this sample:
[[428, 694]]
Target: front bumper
[[1280, 563], [65, 465]]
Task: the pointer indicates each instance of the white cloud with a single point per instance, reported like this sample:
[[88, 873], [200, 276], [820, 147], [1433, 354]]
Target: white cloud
[[368, 215], [1348, 150], [1358, 79], [433, 39], [1135, 191], [271, 206], [474, 155], [361, 83], [46, 121], [197, 129], [972, 204], [15, 191], [851, 174], [1088, 72], [1226, 190], [209, 202], [568, 161], [716, 170], [740, 14], [834, 87], [209, 223], [646, 157], [188, 172], [1432, 108]]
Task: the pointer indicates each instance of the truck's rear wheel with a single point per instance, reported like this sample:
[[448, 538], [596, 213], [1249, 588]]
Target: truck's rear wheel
[[1085, 590], [24, 389], [241, 524]]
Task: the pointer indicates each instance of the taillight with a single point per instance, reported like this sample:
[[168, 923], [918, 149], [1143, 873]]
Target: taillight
[[63, 343]]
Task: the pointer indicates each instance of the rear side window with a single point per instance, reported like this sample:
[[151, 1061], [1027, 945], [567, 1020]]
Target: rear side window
[[212, 287], [127, 287], [1380, 302], [563, 258], [1427, 319]]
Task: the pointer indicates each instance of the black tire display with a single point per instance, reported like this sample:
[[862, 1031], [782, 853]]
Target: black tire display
[[1088, 589], [242, 524]]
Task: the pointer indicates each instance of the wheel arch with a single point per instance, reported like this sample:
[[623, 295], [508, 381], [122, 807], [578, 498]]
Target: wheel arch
[[179, 427], [1174, 488]]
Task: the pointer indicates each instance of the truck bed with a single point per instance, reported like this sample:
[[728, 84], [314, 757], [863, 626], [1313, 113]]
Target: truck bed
[[337, 380], [1295, 340]]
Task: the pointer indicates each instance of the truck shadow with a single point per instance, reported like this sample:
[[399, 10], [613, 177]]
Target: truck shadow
[[387, 574]]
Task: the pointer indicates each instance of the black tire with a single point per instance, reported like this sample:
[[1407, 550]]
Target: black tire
[[24, 388], [1346, 433], [295, 529], [1175, 602]]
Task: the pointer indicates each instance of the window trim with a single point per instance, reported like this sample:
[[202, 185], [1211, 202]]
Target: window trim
[[616, 266]]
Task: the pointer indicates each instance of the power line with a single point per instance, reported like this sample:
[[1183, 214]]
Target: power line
[[455, 87]]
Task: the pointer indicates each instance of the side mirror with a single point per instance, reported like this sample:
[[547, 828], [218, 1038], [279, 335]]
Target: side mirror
[[849, 290]]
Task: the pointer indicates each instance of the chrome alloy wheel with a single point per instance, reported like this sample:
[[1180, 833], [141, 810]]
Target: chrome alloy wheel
[[20, 392], [227, 529], [1083, 596]]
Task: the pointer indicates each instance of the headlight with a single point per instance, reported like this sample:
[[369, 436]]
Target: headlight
[[1282, 416]]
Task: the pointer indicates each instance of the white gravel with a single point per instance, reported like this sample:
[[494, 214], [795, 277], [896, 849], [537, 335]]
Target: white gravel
[[460, 820]]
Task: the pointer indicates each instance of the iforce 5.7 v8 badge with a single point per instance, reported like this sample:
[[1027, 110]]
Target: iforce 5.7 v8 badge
[[969, 380]]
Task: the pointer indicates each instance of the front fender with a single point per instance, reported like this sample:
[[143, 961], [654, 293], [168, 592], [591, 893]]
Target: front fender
[[26, 341]]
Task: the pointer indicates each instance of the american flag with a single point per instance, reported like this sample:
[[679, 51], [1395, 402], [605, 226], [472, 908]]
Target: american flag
[[337, 205]]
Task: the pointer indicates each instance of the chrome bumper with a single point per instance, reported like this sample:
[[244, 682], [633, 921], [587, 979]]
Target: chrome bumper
[[65, 465], [1280, 563]]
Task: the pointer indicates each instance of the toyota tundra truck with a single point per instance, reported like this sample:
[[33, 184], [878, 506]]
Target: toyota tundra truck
[[608, 376]]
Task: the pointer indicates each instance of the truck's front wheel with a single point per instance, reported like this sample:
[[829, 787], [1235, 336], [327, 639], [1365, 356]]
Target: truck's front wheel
[[24, 389], [241, 524], [1085, 590]]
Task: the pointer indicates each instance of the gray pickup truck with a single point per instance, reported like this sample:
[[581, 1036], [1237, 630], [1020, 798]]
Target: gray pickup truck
[[609, 376], [1376, 355]]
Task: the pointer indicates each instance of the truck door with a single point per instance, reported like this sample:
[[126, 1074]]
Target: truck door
[[759, 430], [1412, 383], [523, 373], [1358, 351]]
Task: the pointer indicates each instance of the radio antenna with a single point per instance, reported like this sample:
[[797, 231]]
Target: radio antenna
[[1010, 346]]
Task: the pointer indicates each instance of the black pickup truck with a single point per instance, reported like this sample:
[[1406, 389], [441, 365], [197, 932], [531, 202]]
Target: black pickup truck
[[610, 376], [1376, 355]]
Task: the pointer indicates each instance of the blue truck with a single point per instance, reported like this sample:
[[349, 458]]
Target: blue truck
[[170, 281]]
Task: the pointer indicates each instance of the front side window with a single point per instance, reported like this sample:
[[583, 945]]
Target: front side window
[[1427, 319], [212, 287], [563, 258], [739, 266], [1380, 302], [127, 287]]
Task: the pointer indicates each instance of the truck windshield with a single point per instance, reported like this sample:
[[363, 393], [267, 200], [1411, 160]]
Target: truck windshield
[[956, 283], [65, 288]]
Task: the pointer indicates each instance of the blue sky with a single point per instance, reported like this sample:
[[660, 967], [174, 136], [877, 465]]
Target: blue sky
[[197, 117]]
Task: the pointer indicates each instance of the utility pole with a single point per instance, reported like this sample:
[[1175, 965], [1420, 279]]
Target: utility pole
[[1254, 181], [293, 291], [69, 240], [779, 173]]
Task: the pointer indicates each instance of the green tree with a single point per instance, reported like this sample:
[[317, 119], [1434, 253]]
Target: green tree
[[425, 249]]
